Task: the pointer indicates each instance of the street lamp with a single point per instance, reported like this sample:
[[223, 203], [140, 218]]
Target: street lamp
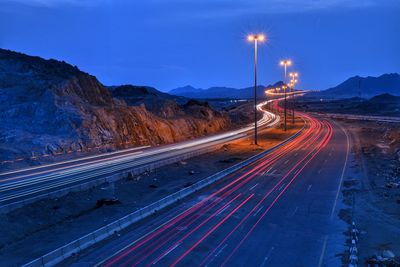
[[255, 38], [285, 63], [293, 81]]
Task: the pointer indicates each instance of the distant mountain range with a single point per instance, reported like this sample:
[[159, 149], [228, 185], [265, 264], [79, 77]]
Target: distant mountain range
[[221, 92], [365, 87]]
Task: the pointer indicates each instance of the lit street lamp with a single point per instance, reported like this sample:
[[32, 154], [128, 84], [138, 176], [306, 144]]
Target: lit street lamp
[[255, 38], [285, 63]]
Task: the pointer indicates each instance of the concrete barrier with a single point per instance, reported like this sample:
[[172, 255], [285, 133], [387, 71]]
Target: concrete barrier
[[66, 251]]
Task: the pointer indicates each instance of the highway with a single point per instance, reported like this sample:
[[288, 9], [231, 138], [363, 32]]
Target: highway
[[278, 211], [36, 181]]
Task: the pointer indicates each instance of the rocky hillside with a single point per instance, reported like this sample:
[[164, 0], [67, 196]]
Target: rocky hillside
[[162, 104], [49, 107], [364, 87], [385, 105], [222, 92]]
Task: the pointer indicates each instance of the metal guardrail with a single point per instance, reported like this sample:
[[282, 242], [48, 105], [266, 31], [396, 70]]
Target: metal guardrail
[[112, 178], [58, 255]]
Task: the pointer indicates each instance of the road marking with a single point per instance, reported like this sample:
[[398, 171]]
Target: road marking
[[321, 258], [294, 212], [222, 210], [267, 171], [267, 256], [309, 187], [216, 254], [166, 253], [273, 172], [280, 188], [220, 250], [254, 186], [343, 170], [255, 214], [286, 162], [296, 154]]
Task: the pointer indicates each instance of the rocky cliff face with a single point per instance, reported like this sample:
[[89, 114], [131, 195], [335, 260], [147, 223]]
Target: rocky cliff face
[[49, 107]]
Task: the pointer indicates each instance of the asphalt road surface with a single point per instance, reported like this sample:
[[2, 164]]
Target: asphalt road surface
[[279, 211], [30, 182]]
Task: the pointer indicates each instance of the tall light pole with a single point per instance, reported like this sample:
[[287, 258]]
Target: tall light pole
[[293, 81], [285, 63], [255, 38]]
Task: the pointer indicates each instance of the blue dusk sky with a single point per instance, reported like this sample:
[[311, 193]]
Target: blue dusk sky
[[172, 43]]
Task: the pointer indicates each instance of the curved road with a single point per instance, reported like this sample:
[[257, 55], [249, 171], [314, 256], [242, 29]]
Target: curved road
[[37, 181], [279, 211]]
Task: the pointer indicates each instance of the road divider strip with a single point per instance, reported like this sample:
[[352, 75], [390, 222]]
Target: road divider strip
[[58, 255]]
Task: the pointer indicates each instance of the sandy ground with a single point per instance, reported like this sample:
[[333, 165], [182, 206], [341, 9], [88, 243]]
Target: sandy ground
[[367, 194], [38, 228]]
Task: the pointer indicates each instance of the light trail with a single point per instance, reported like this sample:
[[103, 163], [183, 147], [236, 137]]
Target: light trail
[[20, 184], [201, 209], [322, 145]]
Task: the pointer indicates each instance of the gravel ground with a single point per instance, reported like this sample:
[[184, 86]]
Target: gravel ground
[[369, 201]]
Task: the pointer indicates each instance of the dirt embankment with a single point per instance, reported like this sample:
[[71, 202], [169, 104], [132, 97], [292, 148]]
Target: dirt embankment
[[372, 191], [52, 223]]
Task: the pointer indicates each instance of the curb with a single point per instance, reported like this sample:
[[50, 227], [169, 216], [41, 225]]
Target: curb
[[58, 255]]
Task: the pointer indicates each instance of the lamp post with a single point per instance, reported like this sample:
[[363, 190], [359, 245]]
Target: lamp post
[[293, 81], [285, 63], [255, 38]]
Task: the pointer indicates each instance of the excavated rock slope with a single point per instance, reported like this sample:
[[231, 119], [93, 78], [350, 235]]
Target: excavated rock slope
[[48, 107]]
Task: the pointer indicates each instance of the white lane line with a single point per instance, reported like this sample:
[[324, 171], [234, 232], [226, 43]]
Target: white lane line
[[222, 210], [255, 214], [216, 254], [273, 172], [254, 186], [280, 188], [343, 170], [296, 154], [220, 250], [286, 162], [267, 171], [166, 253], [267, 257], [309, 187], [321, 258], [294, 212]]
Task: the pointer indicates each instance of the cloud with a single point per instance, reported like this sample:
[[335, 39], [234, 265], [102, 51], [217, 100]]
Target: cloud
[[213, 8]]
